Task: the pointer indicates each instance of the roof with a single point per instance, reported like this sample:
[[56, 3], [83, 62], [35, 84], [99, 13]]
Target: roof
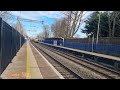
[[53, 39]]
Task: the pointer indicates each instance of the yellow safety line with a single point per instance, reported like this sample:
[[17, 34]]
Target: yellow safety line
[[27, 64]]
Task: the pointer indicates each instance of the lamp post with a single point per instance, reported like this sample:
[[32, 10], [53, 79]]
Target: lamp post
[[98, 29], [92, 42]]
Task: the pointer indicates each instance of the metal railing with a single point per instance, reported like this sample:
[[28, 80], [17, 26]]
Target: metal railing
[[9, 44]]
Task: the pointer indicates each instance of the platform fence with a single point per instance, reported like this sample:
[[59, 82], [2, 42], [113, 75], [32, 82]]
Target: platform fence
[[10, 41]]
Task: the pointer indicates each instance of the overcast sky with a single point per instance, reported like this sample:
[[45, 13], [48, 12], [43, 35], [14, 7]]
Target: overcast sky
[[48, 17]]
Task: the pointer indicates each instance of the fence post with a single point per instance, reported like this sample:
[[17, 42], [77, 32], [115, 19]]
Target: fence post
[[0, 45]]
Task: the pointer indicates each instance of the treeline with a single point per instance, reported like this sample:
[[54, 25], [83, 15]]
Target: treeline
[[109, 25]]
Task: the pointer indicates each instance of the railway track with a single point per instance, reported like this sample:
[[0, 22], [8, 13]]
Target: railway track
[[62, 69], [104, 71]]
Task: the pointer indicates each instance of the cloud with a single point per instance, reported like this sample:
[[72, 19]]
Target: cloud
[[36, 14], [48, 17]]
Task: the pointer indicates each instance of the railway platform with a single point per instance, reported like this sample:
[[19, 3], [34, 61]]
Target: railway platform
[[105, 60], [30, 64]]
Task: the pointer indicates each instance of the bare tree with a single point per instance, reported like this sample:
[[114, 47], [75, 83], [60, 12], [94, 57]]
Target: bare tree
[[113, 18], [74, 20], [45, 33], [109, 23], [59, 28], [68, 26], [114, 22], [5, 15]]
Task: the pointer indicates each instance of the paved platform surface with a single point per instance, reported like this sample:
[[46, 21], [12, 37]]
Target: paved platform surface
[[30, 64]]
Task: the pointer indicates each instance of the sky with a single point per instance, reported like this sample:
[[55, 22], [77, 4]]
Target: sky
[[48, 17]]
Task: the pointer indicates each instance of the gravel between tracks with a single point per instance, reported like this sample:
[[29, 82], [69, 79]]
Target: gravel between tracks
[[84, 72]]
